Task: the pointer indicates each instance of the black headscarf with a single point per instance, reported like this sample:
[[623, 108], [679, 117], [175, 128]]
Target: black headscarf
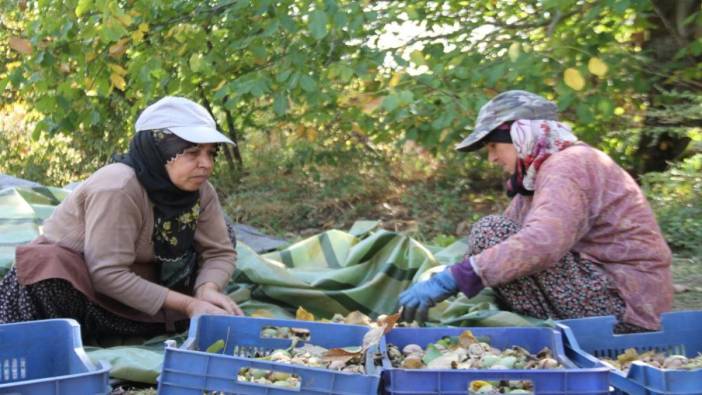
[[175, 211]]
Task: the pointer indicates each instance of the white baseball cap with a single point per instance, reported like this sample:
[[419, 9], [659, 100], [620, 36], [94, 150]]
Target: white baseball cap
[[182, 117]]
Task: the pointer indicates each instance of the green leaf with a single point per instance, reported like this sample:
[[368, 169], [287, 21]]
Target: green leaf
[[196, 62], [417, 57], [216, 346], [318, 24], [391, 102], [345, 73], [406, 97], [283, 76], [308, 84], [83, 5], [280, 104]]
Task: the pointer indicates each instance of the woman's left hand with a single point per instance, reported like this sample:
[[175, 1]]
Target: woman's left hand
[[209, 292]]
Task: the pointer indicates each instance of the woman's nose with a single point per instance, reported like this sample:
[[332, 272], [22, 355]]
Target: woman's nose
[[205, 160]]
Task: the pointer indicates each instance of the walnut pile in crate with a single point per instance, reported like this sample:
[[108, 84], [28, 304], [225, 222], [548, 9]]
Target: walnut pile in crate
[[656, 359], [481, 387], [348, 360], [468, 352], [269, 377]]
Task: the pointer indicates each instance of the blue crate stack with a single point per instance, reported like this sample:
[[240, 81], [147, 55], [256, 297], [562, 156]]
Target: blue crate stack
[[47, 357], [681, 333]]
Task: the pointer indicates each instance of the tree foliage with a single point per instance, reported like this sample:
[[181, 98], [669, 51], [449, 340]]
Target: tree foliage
[[333, 70]]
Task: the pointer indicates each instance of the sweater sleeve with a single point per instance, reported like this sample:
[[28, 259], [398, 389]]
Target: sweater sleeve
[[558, 217], [112, 224], [217, 255]]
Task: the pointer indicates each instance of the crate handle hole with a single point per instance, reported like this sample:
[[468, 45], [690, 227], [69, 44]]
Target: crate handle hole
[[497, 387], [270, 378], [285, 332]]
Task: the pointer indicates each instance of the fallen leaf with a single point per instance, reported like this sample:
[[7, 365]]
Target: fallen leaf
[[304, 315], [357, 318], [679, 288]]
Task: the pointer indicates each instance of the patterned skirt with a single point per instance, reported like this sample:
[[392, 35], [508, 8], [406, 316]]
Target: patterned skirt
[[56, 298], [573, 288]]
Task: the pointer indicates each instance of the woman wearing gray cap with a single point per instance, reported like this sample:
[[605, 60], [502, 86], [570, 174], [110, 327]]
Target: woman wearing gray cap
[[142, 244], [578, 239]]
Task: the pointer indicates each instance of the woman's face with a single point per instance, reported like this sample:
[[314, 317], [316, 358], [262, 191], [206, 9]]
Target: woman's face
[[193, 167], [503, 154]]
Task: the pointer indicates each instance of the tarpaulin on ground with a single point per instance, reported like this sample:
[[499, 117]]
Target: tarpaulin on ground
[[22, 211], [335, 272]]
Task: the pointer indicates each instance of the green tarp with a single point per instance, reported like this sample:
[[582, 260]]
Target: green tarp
[[363, 270]]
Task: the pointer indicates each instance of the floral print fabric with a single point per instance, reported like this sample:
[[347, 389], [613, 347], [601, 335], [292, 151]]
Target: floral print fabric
[[535, 141], [573, 288], [56, 298]]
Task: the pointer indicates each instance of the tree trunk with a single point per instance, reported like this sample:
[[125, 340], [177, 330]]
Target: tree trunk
[[668, 34]]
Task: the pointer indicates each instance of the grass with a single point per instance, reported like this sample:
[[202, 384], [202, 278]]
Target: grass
[[687, 272]]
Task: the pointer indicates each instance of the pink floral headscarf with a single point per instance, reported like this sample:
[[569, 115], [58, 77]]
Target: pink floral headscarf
[[535, 141]]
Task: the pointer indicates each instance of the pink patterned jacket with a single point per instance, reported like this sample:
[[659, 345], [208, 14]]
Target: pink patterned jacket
[[583, 201]]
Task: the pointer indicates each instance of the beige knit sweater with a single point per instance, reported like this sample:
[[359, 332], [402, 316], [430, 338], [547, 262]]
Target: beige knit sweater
[[109, 219]]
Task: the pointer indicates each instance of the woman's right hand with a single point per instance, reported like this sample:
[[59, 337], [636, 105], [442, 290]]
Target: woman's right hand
[[197, 307]]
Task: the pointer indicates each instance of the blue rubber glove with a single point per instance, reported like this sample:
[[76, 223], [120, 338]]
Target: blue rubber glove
[[417, 299]]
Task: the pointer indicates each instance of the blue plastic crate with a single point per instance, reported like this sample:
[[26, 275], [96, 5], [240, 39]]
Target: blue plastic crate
[[46, 357], [571, 380], [588, 339], [189, 371]]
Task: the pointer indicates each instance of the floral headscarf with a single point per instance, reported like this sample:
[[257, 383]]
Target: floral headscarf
[[535, 141]]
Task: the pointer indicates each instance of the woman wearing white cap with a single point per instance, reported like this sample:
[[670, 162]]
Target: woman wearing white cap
[[578, 239], [142, 244]]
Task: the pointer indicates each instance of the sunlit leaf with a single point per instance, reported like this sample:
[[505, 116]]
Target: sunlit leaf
[[597, 67], [573, 79], [417, 57], [514, 51], [396, 76], [83, 6], [118, 81], [137, 36], [117, 69], [125, 19]]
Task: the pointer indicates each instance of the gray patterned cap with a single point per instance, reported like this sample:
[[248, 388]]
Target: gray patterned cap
[[507, 106]]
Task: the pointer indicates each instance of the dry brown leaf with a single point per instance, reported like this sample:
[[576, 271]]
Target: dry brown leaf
[[262, 313], [389, 321], [304, 315], [466, 338], [357, 318], [118, 49], [21, 45]]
